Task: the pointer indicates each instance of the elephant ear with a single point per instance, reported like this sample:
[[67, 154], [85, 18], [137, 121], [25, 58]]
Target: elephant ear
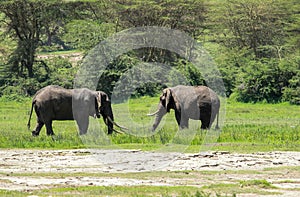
[[171, 99], [98, 100], [104, 97], [167, 94]]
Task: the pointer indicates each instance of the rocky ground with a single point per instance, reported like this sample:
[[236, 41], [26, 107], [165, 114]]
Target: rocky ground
[[17, 168]]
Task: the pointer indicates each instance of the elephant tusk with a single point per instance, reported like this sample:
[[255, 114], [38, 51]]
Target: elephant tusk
[[121, 127], [119, 132], [153, 113]]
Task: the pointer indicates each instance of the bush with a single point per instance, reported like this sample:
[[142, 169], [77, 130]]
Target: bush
[[85, 34], [13, 97], [61, 72], [20, 87], [292, 92], [55, 71], [266, 80]]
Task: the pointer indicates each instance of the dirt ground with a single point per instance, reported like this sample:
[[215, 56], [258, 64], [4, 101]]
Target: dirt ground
[[18, 166]]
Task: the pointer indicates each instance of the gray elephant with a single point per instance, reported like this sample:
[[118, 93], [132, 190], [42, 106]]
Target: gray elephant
[[189, 102], [57, 103]]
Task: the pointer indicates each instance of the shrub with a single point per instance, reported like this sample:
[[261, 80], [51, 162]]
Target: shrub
[[292, 92], [266, 80], [56, 71]]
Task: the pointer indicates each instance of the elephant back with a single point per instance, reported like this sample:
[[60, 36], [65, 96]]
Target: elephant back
[[206, 95]]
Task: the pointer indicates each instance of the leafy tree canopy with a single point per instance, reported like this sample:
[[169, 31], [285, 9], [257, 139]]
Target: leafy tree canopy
[[255, 43]]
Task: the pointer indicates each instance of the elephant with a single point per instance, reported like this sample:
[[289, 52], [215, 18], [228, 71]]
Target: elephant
[[57, 103], [189, 102]]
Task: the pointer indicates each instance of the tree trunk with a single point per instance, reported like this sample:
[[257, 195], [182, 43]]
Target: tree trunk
[[30, 48]]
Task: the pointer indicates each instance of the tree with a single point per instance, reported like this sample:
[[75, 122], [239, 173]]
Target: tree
[[25, 21], [85, 34], [253, 24], [89, 23], [185, 15]]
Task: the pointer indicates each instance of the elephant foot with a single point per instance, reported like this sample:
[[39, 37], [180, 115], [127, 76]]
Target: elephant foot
[[181, 127], [50, 134], [34, 133], [205, 127], [109, 131], [82, 132]]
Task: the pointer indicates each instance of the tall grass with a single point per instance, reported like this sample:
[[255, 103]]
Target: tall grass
[[14, 133], [248, 127]]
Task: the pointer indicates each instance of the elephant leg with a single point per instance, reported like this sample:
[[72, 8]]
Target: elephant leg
[[178, 117], [208, 120], [205, 125], [83, 124], [184, 123], [181, 121], [213, 117], [205, 122], [38, 128], [205, 117], [109, 125], [49, 129]]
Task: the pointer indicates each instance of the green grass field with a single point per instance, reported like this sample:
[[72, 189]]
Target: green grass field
[[247, 128]]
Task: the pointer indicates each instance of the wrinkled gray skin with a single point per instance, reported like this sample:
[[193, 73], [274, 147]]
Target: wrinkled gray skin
[[57, 103], [189, 102]]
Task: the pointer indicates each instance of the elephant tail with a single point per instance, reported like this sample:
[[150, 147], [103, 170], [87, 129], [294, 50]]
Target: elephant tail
[[32, 105], [217, 125]]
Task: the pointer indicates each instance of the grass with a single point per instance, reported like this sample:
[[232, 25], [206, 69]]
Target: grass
[[190, 183], [119, 191], [60, 52], [141, 191], [221, 189], [235, 188], [264, 184], [179, 175], [247, 128]]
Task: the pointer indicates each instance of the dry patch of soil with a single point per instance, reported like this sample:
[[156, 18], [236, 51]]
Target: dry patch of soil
[[18, 168]]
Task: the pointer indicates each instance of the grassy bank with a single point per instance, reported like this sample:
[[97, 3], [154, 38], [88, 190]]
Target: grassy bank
[[247, 128]]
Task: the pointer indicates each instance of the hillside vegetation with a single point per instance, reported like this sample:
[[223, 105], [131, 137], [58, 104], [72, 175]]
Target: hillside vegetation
[[254, 43]]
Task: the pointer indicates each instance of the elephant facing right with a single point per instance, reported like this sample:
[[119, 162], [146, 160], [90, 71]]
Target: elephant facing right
[[189, 102], [57, 103]]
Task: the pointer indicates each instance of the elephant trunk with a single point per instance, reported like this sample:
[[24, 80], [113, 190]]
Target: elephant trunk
[[108, 117], [109, 121], [158, 116]]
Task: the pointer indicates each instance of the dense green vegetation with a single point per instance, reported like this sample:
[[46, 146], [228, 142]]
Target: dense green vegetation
[[254, 43], [248, 128]]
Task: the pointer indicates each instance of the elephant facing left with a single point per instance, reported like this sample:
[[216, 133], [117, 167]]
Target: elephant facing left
[[57, 103]]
